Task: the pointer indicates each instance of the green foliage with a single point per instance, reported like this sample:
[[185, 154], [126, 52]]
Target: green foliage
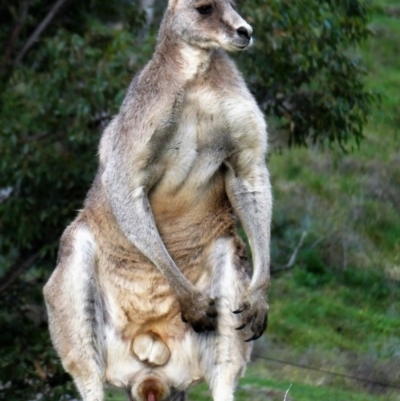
[[50, 118], [28, 364], [53, 108], [339, 306], [350, 312], [303, 68], [57, 99], [314, 272]]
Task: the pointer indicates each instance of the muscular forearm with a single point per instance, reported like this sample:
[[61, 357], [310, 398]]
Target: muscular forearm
[[252, 202], [250, 194], [134, 216], [133, 213]]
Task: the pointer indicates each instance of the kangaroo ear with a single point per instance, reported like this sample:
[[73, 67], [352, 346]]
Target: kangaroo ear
[[172, 4]]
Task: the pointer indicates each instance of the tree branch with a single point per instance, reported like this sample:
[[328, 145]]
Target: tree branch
[[293, 258], [38, 31], [16, 269], [14, 36], [36, 137]]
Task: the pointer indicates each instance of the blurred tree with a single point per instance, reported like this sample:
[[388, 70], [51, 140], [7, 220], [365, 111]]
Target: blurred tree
[[63, 74], [303, 68]]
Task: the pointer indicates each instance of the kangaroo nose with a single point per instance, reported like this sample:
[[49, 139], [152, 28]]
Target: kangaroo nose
[[244, 33]]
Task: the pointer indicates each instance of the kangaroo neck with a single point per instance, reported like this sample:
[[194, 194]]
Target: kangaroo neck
[[191, 61]]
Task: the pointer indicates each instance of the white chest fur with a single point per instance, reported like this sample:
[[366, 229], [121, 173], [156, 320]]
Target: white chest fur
[[198, 146]]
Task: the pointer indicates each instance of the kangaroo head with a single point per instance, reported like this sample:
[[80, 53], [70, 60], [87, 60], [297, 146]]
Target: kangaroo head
[[209, 24]]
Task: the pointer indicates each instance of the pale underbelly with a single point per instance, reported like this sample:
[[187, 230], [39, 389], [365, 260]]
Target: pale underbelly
[[148, 305], [182, 370]]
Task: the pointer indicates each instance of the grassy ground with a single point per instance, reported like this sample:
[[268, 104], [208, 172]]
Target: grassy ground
[[338, 309]]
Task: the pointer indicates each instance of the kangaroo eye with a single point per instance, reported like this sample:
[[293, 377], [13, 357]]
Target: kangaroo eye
[[204, 10]]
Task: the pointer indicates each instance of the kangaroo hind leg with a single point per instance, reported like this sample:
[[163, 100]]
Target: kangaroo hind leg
[[225, 354], [75, 312]]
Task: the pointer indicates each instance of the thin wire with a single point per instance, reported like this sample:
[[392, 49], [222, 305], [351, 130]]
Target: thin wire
[[298, 365]]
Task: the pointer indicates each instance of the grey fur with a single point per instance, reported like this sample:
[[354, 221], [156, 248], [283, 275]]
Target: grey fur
[[157, 237]]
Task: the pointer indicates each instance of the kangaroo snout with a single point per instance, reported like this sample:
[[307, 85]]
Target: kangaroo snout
[[244, 32], [244, 36]]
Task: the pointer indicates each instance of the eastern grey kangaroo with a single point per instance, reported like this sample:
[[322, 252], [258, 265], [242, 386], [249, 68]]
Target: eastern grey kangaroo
[[152, 292]]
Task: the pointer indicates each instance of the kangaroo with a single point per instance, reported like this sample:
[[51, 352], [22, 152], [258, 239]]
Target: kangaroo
[[152, 292]]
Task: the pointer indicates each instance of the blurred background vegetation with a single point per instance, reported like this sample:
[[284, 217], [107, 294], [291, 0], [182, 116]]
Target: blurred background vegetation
[[316, 69]]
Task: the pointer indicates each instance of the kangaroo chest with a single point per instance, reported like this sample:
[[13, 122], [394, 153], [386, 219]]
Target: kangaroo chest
[[200, 142]]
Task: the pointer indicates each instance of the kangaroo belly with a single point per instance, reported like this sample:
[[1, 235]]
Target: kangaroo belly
[[157, 344], [144, 331], [135, 292], [145, 334], [138, 296]]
